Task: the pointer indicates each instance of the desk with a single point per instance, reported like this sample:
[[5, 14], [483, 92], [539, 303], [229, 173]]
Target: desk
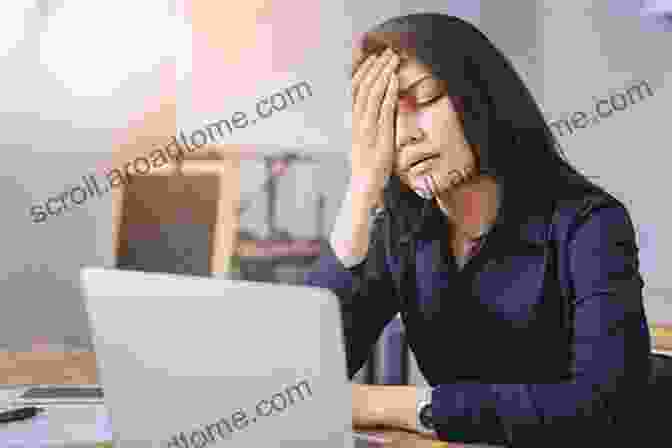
[[88, 426], [71, 426], [661, 336], [403, 439], [83, 426]]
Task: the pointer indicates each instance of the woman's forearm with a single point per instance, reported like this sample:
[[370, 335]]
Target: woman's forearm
[[384, 406], [350, 236]]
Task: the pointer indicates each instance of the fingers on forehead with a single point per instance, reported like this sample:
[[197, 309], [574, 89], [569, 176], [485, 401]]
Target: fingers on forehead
[[366, 44], [403, 43]]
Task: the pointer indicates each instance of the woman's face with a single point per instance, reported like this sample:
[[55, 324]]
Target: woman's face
[[427, 125]]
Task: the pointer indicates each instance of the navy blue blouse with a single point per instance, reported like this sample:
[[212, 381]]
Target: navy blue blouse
[[540, 337]]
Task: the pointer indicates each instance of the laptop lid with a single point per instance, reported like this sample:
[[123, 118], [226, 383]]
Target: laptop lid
[[199, 362]]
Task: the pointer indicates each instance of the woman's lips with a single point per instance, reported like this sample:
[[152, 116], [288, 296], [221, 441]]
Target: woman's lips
[[421, 167]]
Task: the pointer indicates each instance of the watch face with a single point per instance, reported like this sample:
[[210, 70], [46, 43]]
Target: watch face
[[426, 416]]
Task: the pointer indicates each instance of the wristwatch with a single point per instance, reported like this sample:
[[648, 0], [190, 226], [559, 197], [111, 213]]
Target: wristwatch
[[424, 421]]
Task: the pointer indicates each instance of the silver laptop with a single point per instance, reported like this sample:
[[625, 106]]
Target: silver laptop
[[199, 362]]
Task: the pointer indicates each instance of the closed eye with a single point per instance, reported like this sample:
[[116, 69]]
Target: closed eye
[[429, 101]]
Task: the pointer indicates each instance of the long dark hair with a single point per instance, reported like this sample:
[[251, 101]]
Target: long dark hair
[[498, 114]]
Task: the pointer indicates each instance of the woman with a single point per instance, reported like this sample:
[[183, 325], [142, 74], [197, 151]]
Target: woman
[[516, 277]]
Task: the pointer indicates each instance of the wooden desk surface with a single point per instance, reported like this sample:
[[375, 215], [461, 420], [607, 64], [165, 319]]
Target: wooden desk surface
[[404, 439], [46, 367], [661, 336]]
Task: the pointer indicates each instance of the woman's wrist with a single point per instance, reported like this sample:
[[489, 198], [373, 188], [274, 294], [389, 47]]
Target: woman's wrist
[[366, 192], [385, 406], [350, 236]]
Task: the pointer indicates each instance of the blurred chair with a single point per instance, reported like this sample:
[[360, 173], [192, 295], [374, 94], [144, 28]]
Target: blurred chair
[[659, 397], [181, 218], [392, 362], [389, 360], [661, 373]]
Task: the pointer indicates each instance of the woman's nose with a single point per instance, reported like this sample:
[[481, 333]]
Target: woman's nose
[[408, 130]]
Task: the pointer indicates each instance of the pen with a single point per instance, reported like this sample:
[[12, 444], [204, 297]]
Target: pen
[[15, 415]]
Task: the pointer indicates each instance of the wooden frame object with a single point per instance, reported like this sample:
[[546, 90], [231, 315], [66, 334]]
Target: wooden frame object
[[224, 225]]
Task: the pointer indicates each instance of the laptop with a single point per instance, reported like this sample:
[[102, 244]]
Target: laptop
[[190, 361]]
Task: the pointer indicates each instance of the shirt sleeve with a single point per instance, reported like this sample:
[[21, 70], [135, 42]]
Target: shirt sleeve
[[366, 292], [598, 403]]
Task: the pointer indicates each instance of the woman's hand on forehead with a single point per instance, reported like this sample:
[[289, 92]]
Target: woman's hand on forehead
[[359, 55]]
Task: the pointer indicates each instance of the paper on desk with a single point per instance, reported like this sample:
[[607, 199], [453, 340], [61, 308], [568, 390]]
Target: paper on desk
[[59, 426]]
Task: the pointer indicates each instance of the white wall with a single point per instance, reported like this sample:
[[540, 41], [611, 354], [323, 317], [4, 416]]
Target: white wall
[[51, 136], [593, 50], [39, 266]]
